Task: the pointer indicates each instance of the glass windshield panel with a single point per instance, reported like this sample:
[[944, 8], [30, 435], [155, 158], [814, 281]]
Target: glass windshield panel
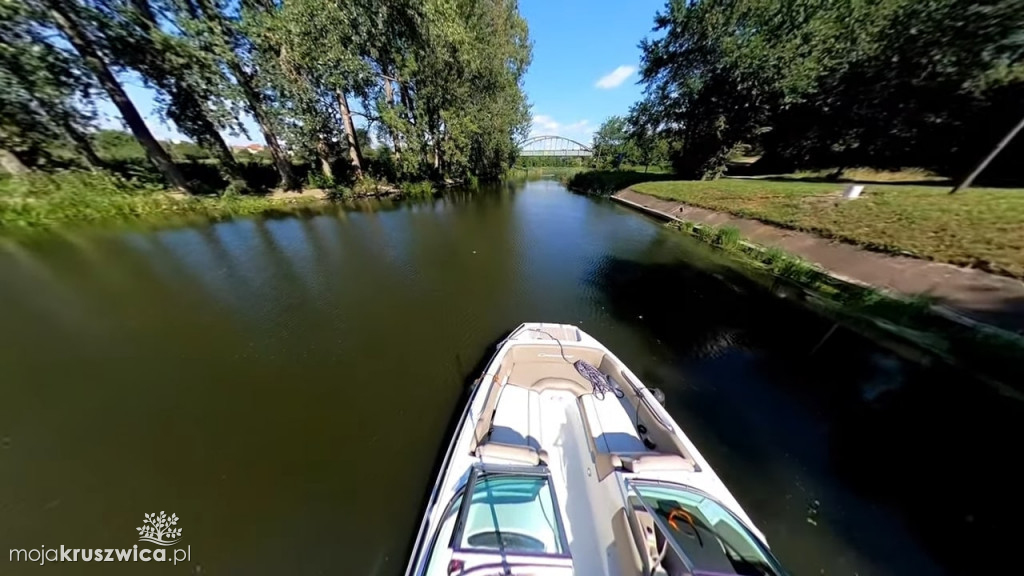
[[514, 513], [713, 539]]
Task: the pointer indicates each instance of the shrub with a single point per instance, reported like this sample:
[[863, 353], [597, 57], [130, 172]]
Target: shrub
[[773, 255], [337, 193], [727, 237], [795, 269], [367, 186], [706, 233], [418, 189]]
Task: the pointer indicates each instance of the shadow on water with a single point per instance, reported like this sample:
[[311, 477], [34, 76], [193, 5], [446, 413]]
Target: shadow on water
[[308, 372], [459, 408], [880, 442]]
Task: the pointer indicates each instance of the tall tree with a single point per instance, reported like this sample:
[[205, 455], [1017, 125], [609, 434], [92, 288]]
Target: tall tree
[[611, 141], [919, 83], [222, 37], [40, 86], [65, 17], [188, 77]]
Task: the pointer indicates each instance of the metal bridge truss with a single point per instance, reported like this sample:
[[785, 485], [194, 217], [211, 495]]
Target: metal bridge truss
[[554, 146]]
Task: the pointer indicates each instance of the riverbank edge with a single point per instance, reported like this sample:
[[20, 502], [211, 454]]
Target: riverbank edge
[[982, 348], [158, 209]]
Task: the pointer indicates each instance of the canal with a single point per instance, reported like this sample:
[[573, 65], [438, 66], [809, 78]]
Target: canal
[[284, 386]]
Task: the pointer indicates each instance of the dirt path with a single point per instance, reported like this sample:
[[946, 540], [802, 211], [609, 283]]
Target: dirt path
[[984, 297]]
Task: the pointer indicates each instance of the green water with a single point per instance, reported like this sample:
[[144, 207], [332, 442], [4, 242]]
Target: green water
[[285, 385]]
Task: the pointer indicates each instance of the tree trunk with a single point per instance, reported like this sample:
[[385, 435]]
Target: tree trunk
[[82, 144], [350, 133], [207, 136], [389, 95], [281, 162], [222, 152], [60, 117], [966, 182], [199, 127], [11, 163], [407, 102], [84, 46], [252, 97], [323, 153]]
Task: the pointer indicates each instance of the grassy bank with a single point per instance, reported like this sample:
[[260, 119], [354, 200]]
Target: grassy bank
[[41, 202], [983, 228], [911, 326]]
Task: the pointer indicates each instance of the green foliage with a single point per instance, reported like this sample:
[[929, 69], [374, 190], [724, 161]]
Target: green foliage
[[822, 84], [316, 179], [611, 143], [369, 186], [727, 237], [40, 202], [117, 146], [417, 189], [339, 193], [441, 81], [705, 232], [773, 255], [40, 90], [795, 269]]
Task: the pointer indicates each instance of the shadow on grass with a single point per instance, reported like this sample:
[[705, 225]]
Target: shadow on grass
[[612, 181]]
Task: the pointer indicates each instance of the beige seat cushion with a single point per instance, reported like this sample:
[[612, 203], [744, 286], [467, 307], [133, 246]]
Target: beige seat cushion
[[656, 463], [492, 453], [516, 420], [610, 425]]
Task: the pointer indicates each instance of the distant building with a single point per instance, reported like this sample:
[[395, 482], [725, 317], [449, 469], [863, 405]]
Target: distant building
[[250, 148]]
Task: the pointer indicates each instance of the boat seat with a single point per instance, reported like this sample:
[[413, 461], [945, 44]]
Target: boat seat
[[610, 426], [541, 376], [655, 462], [516, 420], [492, 453]]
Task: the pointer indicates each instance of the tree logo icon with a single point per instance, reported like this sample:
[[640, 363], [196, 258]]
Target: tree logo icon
[[158, 529]]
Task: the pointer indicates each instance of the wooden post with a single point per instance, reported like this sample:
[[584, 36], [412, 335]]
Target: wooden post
[[966, 183]]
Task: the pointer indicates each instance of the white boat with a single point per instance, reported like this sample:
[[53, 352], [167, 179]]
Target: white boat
[[565, 463]]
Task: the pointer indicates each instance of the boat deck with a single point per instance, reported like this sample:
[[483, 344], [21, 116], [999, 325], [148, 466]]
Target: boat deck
[[533, 410]]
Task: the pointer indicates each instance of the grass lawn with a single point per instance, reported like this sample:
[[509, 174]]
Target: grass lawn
[[978, 227], [41, 202]]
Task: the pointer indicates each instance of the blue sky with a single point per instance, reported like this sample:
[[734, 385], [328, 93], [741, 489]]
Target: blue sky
[[576, 43], [585, 57]]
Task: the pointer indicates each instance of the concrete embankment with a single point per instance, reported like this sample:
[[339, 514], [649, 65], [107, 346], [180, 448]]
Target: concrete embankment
[[974, 294]]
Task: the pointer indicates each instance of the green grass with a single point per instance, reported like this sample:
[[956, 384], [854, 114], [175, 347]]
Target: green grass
[[980, 227], [423, 189], [42, 202]]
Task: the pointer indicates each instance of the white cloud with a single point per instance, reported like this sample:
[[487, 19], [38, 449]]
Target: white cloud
[[616, 77], [580, 130], [544, 125]]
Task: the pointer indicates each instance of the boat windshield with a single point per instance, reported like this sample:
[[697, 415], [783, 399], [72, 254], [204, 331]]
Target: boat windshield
[[709, 538], [510, 512]]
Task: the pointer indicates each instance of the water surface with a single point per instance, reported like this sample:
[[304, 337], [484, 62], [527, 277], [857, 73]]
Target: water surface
[[285, 386]]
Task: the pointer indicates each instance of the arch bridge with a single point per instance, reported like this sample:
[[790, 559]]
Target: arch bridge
[[554, 146]]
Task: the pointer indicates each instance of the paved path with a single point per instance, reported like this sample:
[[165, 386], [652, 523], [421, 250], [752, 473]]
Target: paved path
[[984, 297]]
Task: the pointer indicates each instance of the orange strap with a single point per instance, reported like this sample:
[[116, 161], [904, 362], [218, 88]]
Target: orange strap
[[681, 513]]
